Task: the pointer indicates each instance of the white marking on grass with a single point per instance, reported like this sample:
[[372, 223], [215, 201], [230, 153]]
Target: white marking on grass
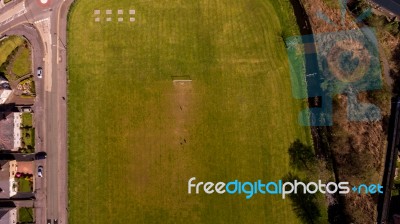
[[97, 19], [108, 11], [108, 19], [182, 80], [120, 19], [132, 19], [96, 12], [120, 12], [132, 11]]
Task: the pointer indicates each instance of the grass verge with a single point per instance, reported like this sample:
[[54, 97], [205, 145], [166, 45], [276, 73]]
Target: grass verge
[[22, 63], [25, 215]]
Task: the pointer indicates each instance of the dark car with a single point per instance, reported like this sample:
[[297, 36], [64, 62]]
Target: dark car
[[5, 85], [48, 221], [40, 155]]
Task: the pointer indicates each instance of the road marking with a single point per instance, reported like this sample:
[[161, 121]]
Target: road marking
[[10, 15], [42, 20], [29, 27]]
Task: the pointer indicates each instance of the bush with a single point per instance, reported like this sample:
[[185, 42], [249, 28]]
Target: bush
[[392, 27], [377, 21]]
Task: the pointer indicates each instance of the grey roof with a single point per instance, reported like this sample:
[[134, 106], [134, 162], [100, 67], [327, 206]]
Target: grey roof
[[6, 214], [6, 130], [5, 179]]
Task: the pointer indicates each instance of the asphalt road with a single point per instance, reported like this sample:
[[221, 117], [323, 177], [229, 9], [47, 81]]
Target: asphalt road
[[44, 25], [391, 5], [384, 202]]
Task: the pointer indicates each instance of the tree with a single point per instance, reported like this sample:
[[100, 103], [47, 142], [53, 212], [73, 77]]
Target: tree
[[304, 205], [301, 156]]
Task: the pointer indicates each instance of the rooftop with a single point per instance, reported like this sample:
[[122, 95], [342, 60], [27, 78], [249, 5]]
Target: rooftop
[[8, 215], [6, 130], [7, 171], [4, 94]]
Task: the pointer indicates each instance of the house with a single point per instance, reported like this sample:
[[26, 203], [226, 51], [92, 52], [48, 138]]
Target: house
[[10, 131], [8, 169], [8, 215]]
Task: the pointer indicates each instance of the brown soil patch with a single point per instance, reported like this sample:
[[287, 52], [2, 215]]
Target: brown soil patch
[[181, 110]]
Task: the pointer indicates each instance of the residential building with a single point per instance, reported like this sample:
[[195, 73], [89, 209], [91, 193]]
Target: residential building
[[10, 131], [8, 188]]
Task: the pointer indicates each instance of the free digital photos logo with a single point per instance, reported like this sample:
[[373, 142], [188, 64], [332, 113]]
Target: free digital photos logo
[[283, 188]]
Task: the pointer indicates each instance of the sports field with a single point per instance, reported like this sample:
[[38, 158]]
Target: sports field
[[136, 136]]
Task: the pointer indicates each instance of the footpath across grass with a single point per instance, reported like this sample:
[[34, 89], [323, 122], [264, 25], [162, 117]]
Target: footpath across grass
[[136, 137]]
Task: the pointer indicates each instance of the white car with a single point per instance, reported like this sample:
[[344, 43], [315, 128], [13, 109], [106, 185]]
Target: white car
[[40, 171]]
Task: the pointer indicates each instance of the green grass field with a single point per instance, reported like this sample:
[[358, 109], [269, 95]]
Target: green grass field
[[25, 215], [136, 137], [8, 45], [22, 64]]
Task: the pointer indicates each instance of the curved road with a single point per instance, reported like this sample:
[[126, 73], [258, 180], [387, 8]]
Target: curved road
[[44, 26]]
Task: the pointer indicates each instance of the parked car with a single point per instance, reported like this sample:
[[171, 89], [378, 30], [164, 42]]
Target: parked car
[[48, 221], [40, 171], [40, 155], [39, 72], [26, 109], [5, 85]]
